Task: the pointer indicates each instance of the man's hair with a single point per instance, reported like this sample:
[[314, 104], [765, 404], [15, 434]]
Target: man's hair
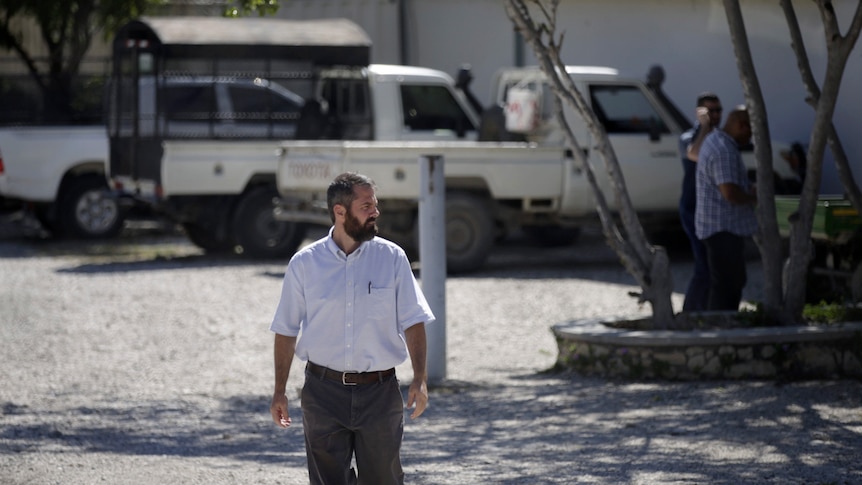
[[707, 96], [737, 114], [340, 191]]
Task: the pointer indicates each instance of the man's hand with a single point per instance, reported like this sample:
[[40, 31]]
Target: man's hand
[[702, 114], [278, 409], [736, 195], [417, 398]]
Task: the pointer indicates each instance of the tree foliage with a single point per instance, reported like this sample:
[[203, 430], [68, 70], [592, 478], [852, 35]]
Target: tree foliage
[[67, 29], [242, 8]]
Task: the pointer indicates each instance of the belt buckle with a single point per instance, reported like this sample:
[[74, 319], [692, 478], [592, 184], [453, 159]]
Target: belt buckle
[[344, 379]]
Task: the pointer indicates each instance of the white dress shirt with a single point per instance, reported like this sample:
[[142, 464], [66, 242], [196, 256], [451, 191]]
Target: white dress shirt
[[350, 311]]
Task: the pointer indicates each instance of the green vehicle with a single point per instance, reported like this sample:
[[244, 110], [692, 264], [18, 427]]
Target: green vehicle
[[835, 273]]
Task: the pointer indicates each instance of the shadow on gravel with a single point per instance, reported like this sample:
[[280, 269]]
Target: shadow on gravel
[[238, 429], [615, 432], [170, 263], [541, 429], [156, 246]]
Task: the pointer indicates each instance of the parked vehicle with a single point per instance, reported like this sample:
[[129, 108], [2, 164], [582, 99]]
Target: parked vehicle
[[522, 179], [204, 168], [835, 271], [256, 81], [506, 169], [59, 174], [223, 189]]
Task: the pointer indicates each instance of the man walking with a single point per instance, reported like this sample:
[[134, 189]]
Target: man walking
[[724, 215], [708, 118], [352, 310]]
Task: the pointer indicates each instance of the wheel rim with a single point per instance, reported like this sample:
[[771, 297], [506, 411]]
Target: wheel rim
[[273, 232], [96, 213], [459, 235]]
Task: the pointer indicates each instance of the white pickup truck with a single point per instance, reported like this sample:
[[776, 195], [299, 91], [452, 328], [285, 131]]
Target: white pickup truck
[[221, 188], [495, 186], [219, 179], [59, 174]]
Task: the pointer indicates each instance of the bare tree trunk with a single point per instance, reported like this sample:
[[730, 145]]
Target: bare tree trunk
[[648, 264], [838, 50], [767, 237], [845, 173]]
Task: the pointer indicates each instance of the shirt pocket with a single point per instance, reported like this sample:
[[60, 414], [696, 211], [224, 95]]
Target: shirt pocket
[[380, 305]]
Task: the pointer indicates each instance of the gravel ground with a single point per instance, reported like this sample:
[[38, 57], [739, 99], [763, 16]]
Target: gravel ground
[[142, 361]]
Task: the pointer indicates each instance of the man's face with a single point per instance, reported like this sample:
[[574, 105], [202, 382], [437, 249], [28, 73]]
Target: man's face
[[360, 220], [714, 109], [742, 132]]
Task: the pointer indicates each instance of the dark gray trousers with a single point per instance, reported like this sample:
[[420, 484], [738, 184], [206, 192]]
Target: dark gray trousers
[[726, 255], [365, 421]]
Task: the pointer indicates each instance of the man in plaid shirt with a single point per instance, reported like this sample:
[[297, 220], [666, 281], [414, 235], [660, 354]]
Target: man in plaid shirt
[[724, 215]]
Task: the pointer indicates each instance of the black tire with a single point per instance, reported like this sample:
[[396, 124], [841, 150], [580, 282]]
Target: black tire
[[44, 213], [553, 236], [207, 239], [469, 232], [258, 233], [86, 210]]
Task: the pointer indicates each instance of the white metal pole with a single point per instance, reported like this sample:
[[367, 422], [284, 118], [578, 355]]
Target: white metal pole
[[432, 258]]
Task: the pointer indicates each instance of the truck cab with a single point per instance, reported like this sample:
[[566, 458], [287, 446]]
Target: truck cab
[[386, 103], [642, 123]]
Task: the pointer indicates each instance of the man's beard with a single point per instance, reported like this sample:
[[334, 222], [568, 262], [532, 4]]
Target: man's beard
[[357, 231]]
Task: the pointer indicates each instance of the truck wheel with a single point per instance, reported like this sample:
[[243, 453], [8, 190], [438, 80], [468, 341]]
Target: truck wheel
[[87, 211], [44, 213], [469, 232], [207, 239], [553, 236], [259, 233]]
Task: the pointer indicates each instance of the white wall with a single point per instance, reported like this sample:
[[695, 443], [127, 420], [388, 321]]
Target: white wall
[[688, 37]]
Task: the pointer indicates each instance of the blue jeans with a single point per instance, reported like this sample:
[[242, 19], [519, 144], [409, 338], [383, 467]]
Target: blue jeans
[[697, 293], [726, 255]]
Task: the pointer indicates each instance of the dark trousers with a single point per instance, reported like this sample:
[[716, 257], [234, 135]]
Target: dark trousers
[[725, 253], [341, 422], [697, 293]]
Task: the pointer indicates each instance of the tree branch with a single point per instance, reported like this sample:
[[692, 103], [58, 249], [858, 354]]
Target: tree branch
[[845, 173]]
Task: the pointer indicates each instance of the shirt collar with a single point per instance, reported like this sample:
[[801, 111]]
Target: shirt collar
[[729, 138], [334, 249]]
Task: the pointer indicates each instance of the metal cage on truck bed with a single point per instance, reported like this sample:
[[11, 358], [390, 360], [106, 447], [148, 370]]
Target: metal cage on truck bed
[[216, 78]]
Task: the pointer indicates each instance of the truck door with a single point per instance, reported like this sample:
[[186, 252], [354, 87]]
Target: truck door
[[643, 142]]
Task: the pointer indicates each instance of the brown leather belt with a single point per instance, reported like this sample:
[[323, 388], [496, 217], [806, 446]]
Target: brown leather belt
[[349, 378]]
